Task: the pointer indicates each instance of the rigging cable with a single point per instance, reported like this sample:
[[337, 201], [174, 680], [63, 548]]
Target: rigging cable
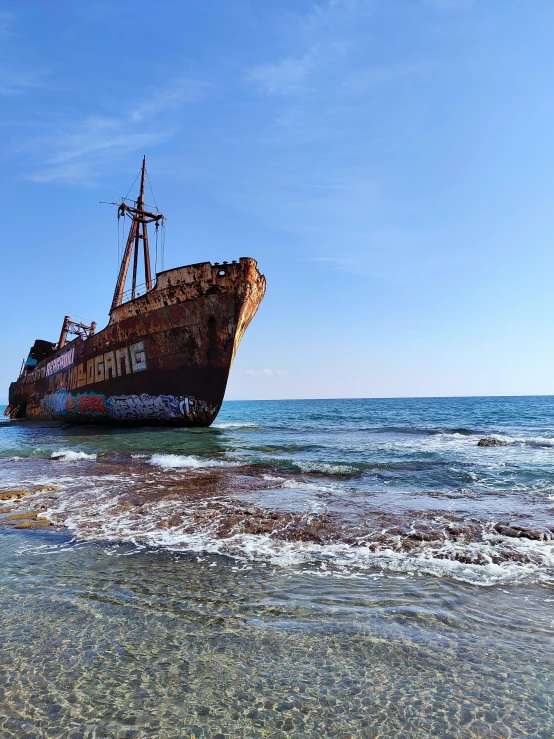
[[162, 238], [163, 245], [129, 190], [156, 259], [118, 238], [152, 191]]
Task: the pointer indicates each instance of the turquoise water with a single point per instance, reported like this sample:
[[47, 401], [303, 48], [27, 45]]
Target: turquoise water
[[349, 568]]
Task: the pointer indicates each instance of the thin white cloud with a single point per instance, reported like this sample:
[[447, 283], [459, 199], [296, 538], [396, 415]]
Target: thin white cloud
[[317, 43], [7, 20], [285, 76], [77, 148], [324, 63], [449, 4], [328, 93], [182, 91], [73, 172], [362, 81], [97, 134], [16, 81], [13, 79], [266, 372], [344, 260]]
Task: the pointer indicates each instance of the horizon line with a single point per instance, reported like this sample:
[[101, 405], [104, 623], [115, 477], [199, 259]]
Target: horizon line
[[371, 397]]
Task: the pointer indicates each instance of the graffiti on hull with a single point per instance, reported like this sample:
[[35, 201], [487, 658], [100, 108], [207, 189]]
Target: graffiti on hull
[[65, 405], [61, 362], [143, 406], [62, 373]]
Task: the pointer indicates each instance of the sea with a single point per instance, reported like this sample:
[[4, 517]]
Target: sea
[[304, 568]]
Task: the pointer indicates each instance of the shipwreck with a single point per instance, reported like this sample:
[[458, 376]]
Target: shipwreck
[[165, 356]]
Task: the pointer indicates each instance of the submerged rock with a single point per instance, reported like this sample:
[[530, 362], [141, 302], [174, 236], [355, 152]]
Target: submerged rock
[[36, 523], [11, 494], [27, 520], [491, 442], [46, 489], [21, 516]]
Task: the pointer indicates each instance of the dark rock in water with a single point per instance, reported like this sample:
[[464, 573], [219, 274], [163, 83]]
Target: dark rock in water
[[491, 442], [520, 532], [424, 535], [527, 533]]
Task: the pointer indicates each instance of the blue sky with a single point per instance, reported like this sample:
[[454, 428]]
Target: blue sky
[[390, 163]]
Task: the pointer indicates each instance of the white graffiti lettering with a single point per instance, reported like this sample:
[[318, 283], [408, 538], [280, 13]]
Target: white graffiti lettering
[[108, 366], [60, 362], [138, 356]]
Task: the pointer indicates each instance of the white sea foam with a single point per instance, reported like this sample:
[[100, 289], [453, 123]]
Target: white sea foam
[[310, 486], [96, 514], [327, 469], [234, 424], [174, 461], [68, 455], [285, 482], [536, 441], [545, 441]]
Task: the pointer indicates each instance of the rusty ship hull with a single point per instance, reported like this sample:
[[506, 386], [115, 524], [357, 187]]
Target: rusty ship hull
[[163, 359]]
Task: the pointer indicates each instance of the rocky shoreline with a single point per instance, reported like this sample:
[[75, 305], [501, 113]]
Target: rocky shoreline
[[28, 515], [214, 503]]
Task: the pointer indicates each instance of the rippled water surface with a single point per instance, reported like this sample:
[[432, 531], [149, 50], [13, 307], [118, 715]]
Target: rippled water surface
[[349, 568]]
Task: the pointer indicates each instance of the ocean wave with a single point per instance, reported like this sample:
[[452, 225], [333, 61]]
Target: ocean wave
[[68, 455], [289, 465], [326, 468], [343, 468], [522, 441], [303, 485], [421, 430], [533, 441], [310, 486], [176, 461], [234, 424], [284, 448]]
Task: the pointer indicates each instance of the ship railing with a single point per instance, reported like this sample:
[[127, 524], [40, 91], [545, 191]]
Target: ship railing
[[139, 291]]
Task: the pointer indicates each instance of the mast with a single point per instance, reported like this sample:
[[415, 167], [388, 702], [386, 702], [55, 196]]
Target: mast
[[138, 231]]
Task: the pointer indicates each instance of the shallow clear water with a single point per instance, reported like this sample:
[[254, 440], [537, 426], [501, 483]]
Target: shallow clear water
[[305, 568]]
